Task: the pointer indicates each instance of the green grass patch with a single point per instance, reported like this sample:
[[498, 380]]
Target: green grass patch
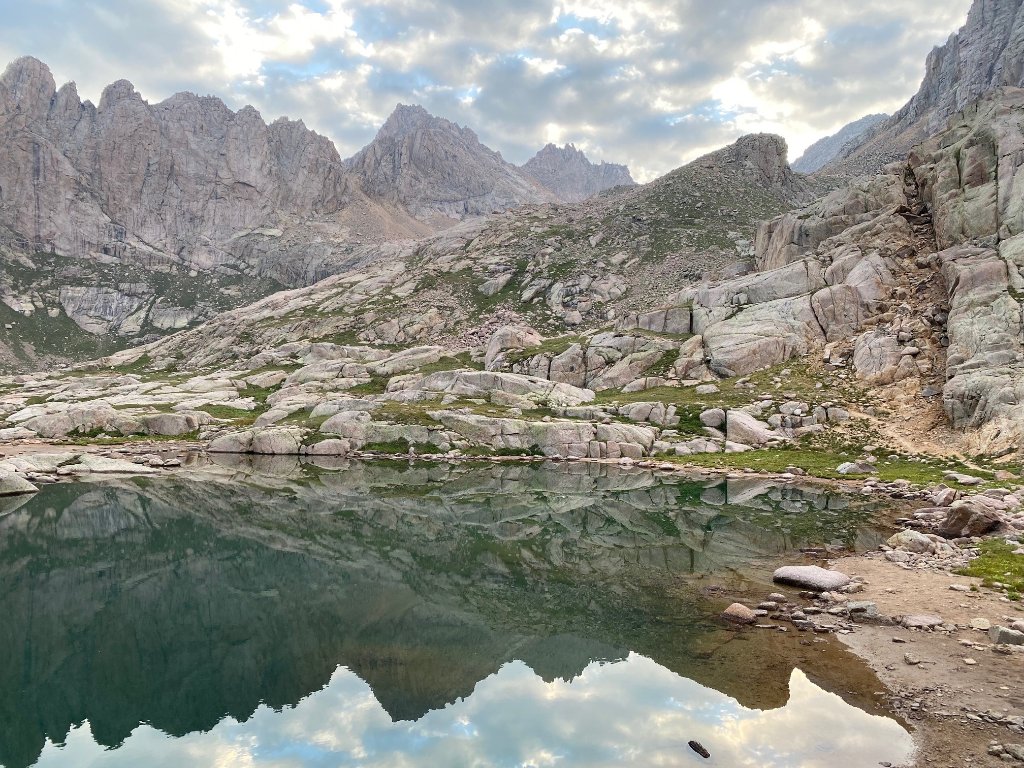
[[259, 394], [229, 413], [997, 563], [821, 461], [452, 363], [411, 414], [377, 385], [138, 366], [401, 445], [553, 347]]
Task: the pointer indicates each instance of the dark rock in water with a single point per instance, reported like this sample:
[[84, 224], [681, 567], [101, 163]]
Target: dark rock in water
[[697, 747]]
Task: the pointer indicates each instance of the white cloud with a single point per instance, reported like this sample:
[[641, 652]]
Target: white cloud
[[652, 83]]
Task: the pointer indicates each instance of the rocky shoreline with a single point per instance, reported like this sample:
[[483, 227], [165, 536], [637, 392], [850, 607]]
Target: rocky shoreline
[[949, 647]]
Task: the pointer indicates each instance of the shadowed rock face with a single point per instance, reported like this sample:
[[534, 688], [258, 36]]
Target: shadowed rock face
[[128, 220], [180, 602]]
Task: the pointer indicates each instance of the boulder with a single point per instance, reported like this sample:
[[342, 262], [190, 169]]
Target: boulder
[[713, 417], [738, 613], [921, 621], [1004, 636], [12, 484], [267, 441], [973, 516], [277, 442], [810, 577], [91, 464], [169, 424], [762, 335], [741, 427], [855, 468], [878, 359], [506, 338], [329, 447], [912, 541]]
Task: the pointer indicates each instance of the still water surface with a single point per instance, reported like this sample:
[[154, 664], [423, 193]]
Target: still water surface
[[415, 615]]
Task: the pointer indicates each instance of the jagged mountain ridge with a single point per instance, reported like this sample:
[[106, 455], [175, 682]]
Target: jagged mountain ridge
[[436, 168], [129, 220], [986, 53], [557, 267], [825, 150], [568, 173]]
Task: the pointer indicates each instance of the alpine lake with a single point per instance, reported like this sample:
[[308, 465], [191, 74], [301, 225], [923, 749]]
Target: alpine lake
[[271, 613]]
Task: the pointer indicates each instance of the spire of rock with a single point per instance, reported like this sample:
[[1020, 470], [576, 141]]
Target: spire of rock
[[432, 166], [570, 175]]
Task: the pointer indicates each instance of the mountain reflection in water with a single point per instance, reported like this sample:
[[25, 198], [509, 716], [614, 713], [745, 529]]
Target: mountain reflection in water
[[499, 615]]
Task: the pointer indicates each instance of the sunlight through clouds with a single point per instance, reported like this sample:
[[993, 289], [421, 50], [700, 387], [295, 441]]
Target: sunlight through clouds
[[633, 81]]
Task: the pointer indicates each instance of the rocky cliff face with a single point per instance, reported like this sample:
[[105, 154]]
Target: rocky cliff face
[[172, 182], [986, 53], [568, 173], [827, 149], [433, 167], [133, 219]]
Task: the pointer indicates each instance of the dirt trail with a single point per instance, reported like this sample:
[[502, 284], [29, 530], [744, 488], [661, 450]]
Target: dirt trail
[[942, 694]]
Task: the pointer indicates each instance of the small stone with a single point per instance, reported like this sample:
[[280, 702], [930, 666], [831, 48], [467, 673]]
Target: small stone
[[921, 621], [911, 660], [1004, 636], [739, 614], [983, 625], [970, 662], [697, 747]]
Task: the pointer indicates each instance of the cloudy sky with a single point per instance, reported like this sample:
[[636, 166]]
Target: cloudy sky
[[652, 84]]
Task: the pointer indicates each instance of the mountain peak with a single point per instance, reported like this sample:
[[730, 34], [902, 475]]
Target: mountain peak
[[570, 175], [761, 159], [987, 52], [826, 149], [26, 83], [433, 166], [406, 119], [121, 90]]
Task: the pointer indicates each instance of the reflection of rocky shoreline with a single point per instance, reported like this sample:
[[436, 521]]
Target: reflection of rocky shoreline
[[179, 601]]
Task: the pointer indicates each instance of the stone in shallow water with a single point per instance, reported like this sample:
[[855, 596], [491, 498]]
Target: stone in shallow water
[[810, 577], [12, 484], [739, 614]]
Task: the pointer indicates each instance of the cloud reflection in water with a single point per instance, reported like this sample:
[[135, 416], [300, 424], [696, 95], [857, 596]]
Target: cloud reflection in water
[[633, 712]]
